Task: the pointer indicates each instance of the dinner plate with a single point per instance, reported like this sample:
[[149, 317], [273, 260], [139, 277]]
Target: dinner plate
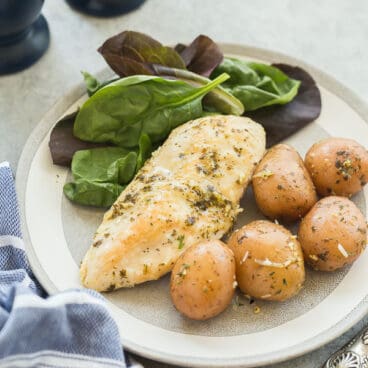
[[58, 233]]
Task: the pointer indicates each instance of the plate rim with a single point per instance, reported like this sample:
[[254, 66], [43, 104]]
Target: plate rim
[[322, 78]]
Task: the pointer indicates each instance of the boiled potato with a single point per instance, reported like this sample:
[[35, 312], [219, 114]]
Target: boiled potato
[[269, 261], [338, 166], [333, 234], [203, 280], [282, 186]]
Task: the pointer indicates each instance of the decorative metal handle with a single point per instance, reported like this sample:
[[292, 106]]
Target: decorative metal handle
[[352, 355]]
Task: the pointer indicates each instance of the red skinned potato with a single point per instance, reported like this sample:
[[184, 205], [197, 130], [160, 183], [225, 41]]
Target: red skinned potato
[[338, 166], [282, 186], [203, 280], [333, 234], [269, 261]]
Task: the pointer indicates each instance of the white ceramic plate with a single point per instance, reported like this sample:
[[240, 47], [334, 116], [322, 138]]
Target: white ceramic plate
[[58, 233]]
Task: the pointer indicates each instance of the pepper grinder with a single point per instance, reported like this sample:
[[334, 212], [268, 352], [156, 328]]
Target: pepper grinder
[[24, 34], [105, 8]]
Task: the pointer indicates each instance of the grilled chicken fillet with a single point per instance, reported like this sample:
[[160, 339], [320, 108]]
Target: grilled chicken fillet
[[187, 192]]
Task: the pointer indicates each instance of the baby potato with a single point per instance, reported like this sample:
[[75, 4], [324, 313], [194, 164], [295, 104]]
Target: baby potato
[[282, 186], [269, 261], [333, 234], [338, 166], [203, 280]]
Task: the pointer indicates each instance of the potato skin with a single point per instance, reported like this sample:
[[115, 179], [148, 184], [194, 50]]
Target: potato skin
[[254, 246], [332, 221], [282, 186], [203, 280], [338, 166]]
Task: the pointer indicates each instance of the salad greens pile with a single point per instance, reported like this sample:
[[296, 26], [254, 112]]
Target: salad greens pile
[[158, 88], [254, 84], [257, 85]]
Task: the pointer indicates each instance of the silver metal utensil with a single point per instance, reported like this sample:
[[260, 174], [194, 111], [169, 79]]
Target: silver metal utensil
[[352, 355]]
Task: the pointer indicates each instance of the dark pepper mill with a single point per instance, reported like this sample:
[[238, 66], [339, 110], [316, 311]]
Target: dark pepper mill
[[105, 8], [24, 34]]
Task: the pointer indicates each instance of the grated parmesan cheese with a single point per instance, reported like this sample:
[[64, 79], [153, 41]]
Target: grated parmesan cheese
[[264, 174], [267, 262], [246, 254], [342, 250], [266, 296]]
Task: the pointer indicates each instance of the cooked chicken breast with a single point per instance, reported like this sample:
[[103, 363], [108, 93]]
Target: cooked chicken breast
[[189, 191]]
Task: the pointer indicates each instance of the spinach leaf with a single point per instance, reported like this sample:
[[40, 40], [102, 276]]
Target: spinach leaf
[[100, 175], [122, 111], [126, 167], [217, 100], [145, 150], [257, 85], [92, 193], [281, 121], [92, 83], [110, 164]]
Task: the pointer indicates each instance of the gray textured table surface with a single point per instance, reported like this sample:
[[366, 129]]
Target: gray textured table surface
[[329, 34]]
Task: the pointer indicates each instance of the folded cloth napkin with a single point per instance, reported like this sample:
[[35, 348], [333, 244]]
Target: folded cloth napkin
[[70, 329]]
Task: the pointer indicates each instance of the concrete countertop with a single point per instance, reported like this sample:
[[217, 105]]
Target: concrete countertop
[[330, 34]]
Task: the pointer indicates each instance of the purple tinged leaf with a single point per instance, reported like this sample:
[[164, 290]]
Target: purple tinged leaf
[[130, 53], [138, 51], [63, 144], [135, 40], [202, 56], [123, 66]]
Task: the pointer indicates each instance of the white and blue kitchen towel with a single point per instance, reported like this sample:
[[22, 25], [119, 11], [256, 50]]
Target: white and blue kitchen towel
[[70, 329]]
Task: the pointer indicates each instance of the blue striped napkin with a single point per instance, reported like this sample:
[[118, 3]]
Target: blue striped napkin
[[70, 329]]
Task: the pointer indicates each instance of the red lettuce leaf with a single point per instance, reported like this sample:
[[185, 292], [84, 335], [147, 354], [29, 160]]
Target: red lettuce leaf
[[124, 66], [130, 53], [202, 56]]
